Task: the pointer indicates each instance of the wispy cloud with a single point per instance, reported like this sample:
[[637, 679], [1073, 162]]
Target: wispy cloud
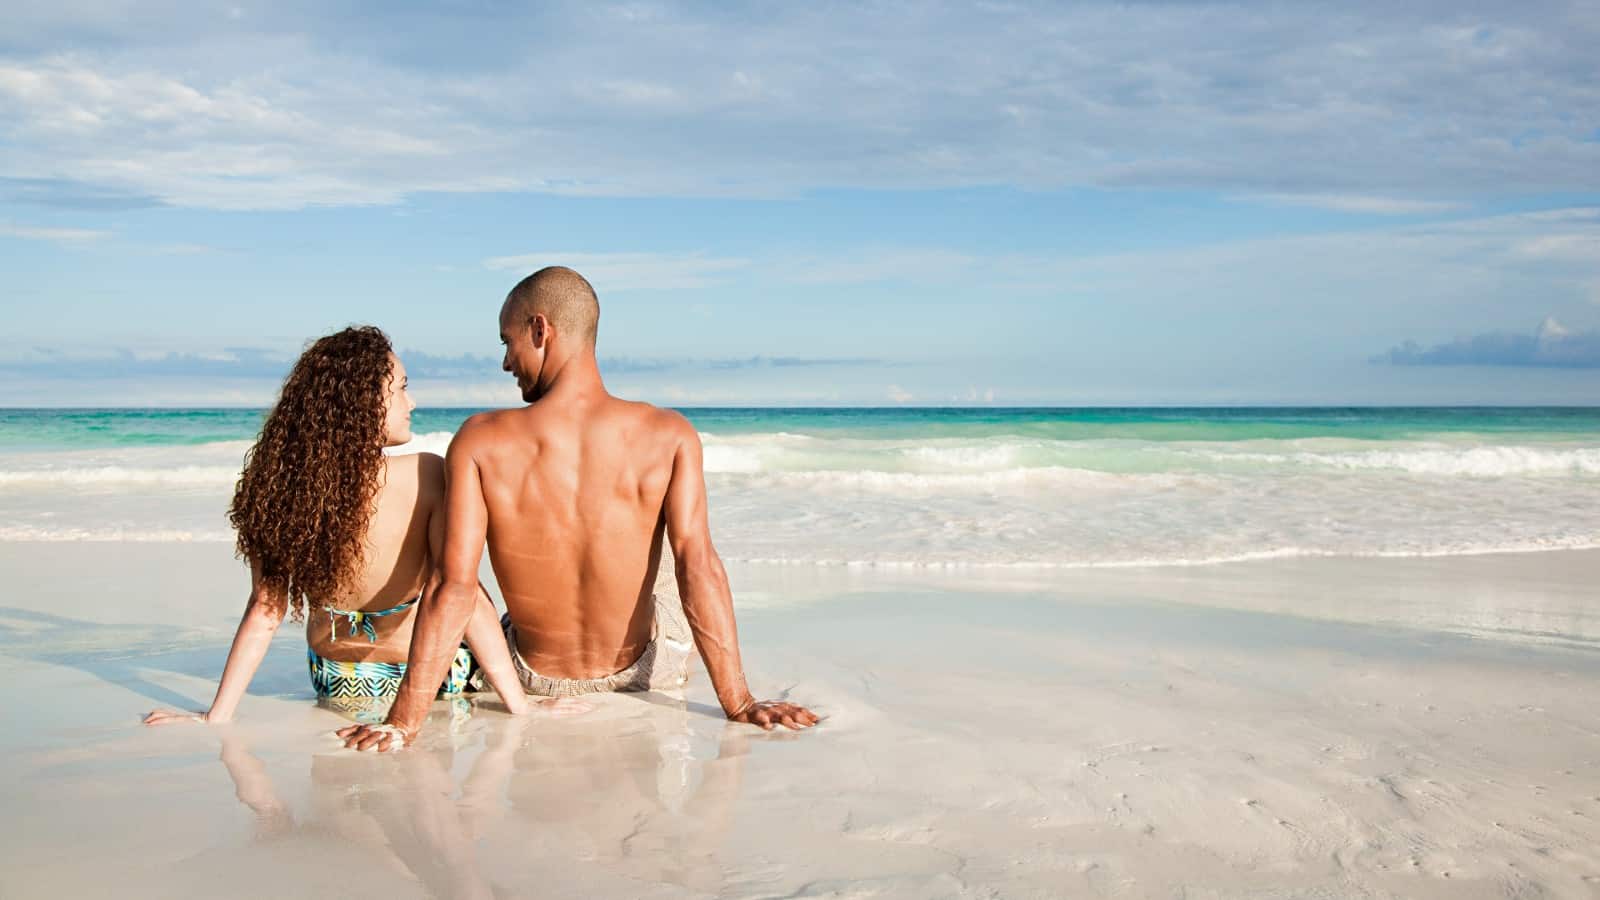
[[185, 249], [911, 265], [1557, 248], [789, 362], [1552, 346], [423, 365], [740, 395], [1357, 203], [69, 194], [275, 109], [231, 362], [628, 271], [255, 362], [1567, 247], [55, 235]]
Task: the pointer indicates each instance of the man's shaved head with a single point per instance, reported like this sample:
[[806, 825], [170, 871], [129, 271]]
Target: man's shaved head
[[562, 296]]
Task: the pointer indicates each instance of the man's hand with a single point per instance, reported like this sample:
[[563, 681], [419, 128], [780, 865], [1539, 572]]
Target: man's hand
[[172, 717], [382, 738], [771, 713]]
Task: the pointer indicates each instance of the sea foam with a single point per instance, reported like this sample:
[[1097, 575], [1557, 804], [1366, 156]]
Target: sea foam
[[112, 476], [971, 501]]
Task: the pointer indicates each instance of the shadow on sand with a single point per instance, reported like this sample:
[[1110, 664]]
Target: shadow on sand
[[125, 655]]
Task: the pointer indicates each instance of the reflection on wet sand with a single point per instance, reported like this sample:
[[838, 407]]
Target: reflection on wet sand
[[400, 815], [639, 800], [632, 795]]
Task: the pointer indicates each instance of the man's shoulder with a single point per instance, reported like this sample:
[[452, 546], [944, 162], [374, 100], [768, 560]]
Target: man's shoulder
[[660, 420], [481, 427]]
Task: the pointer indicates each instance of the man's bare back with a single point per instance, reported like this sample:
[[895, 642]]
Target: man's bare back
[[574, 493], [575, 496]]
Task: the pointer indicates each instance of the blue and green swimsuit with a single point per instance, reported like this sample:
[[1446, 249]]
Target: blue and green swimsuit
[[335, 680]]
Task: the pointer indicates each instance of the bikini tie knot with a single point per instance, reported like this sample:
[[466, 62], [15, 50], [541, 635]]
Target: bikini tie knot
[[361, 620]]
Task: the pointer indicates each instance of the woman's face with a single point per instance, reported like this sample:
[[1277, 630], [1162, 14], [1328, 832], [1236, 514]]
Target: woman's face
[[397, 405]]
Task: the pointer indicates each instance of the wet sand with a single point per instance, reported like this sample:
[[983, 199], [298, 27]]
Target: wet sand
[[1340, 728]]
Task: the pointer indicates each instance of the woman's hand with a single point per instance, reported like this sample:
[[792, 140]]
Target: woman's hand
[[172, 717], [562, 706]]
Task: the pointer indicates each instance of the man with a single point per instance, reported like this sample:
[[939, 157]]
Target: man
[[573, 494]]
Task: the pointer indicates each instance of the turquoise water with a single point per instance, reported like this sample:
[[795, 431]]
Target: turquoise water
[[943, 487], [60, 429]]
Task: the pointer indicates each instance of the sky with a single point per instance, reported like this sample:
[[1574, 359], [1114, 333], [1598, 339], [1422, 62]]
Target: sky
[[879, 204]]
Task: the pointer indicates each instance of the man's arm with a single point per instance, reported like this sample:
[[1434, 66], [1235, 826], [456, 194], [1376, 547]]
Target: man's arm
[[707, 601], [446, 605]]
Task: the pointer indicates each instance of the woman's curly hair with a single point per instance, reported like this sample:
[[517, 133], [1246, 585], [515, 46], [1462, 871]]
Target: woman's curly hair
[[303, 502]]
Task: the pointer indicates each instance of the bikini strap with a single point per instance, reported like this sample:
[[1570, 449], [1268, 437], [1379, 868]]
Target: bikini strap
[[361, 621]]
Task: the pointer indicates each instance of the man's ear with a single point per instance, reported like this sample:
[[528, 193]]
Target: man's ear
[[540, 327]]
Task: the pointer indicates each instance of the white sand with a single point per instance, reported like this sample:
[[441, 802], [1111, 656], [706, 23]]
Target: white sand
[[1329, 728]]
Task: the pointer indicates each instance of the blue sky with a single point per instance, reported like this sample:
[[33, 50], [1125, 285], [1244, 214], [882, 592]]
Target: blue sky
[[882, 203]]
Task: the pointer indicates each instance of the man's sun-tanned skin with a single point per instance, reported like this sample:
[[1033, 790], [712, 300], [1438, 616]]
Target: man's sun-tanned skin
[[574, 494]]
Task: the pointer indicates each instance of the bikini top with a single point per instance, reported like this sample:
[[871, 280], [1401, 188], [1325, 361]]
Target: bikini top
[[360, 620]]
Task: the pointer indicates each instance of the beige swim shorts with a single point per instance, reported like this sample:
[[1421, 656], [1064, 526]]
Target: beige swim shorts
[[664, 664]]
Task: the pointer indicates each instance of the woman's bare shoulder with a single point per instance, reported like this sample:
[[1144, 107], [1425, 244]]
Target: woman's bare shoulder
[[425, 470]]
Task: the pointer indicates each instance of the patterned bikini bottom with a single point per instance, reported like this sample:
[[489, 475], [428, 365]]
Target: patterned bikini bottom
[[360, 689]]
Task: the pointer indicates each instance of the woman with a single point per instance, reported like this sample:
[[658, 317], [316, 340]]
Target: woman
[[343, 535]]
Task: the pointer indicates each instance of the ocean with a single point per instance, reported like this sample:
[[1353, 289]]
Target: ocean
[[935, 488]]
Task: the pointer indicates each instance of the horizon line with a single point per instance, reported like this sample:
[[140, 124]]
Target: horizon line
[[874, 408]]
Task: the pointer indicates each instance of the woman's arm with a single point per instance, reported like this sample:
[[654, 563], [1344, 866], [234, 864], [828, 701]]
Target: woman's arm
[[262, 616], [488, 645]]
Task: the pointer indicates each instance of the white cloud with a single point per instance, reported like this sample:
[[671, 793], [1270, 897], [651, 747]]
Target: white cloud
[[1256, 308], [57, 235], [972, 396], [1553, 345], [239, 144], [734, 394], [900, 395], [1552, 330], [1357, 107], [628, 271], [903, 265], [1464, 253], [32, 392], [444, 393], [1356, 203], [1564, 247]]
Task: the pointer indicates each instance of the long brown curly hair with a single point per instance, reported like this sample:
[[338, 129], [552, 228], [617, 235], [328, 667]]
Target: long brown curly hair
[[306, 494]]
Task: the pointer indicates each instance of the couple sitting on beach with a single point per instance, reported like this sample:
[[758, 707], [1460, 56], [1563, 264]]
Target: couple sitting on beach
[[573, 495]]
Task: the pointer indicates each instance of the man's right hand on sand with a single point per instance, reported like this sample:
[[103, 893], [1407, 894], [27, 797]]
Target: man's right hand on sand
[[384, 738], [769, 714]]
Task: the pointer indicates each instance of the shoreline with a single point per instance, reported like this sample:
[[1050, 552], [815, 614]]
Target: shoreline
[[1511, 595], [1354, 728]]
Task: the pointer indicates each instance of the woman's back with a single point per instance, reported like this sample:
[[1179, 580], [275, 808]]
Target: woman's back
[[395, 567]]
